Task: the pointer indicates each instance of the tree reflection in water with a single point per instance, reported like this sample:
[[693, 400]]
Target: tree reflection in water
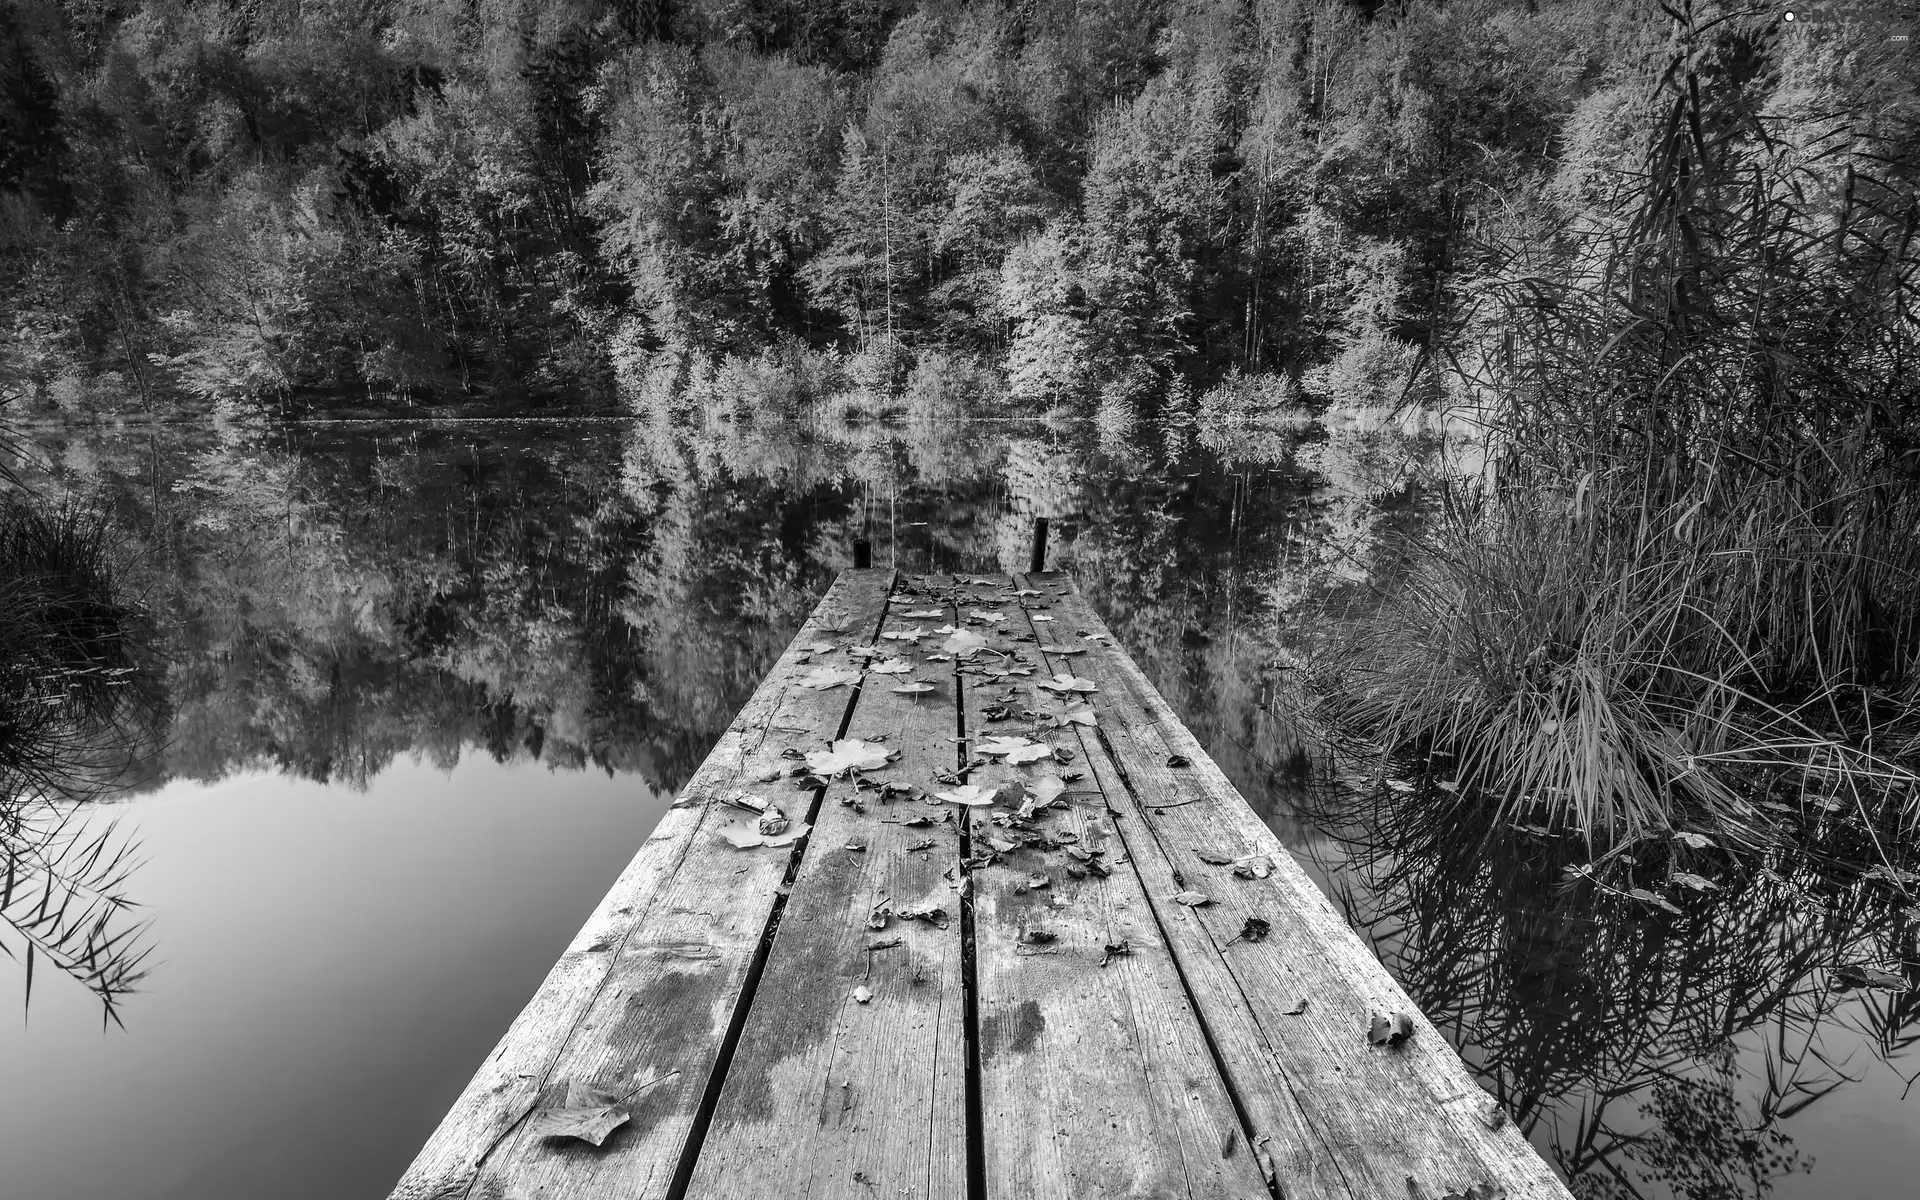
[[605, 596], [1650, 1053]]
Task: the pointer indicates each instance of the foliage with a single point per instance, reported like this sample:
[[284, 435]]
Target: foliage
[[1694, 555], [379, 204], [73, 699]]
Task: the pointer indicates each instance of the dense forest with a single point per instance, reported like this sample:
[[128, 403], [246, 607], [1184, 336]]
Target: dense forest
[[1118, 202]]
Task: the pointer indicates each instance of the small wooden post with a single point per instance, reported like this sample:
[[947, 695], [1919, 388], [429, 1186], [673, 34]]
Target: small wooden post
[[862, 554], [1039, 562]]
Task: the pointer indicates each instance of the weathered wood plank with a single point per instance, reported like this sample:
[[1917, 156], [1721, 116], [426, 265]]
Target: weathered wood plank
[[650, 984], [1096, 1079], [828, 1095], [1383, 1121]]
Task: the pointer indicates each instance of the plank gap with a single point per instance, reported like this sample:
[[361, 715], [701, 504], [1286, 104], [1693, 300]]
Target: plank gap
[[737, 1023]]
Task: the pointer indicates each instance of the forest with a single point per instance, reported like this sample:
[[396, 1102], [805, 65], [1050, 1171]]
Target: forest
[[1131, 203]]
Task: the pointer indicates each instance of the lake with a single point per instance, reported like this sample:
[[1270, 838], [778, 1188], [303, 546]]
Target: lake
[[418, 690]]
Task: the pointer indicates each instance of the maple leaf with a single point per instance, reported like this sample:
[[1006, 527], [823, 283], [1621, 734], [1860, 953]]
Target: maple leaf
[[964, 642], [971, 794], [1015, 750], [1192, 899], [746, 837], [1044, 790], [925, 614], [821, 678], [915, 688], [1071, 714], [1064, 682], [893, 666], [977, 615], [905, 635], [848, 754], [589, 1114]]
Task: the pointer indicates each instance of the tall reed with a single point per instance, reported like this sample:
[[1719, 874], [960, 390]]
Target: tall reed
[[1694, 556]]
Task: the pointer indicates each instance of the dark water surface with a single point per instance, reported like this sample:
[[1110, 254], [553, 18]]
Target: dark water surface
[[423, 689]]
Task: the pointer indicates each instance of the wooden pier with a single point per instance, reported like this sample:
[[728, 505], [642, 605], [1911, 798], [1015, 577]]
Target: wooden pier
[[1033, 946]]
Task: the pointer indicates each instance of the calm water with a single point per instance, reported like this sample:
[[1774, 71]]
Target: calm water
[[422, 690]]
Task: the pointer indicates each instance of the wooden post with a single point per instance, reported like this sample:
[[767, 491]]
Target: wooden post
[[1039, 562], [862, 554]]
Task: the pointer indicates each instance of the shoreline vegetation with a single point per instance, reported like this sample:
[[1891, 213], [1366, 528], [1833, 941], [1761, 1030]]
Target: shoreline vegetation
[[73, 696]]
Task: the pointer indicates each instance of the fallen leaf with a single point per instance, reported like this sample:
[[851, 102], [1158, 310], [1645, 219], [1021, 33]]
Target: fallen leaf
[[964, 642], [821, 678], [1063, 649], [1044, 790], [1064, 682], [914, 688], [1038, 880], [987, 616], [1040, 937], [1389, 1029], [1400, 785], [1479, 1191], [862, 994], [1694, 841], [925, 614], [589, 1114], [971, 794], [1074, 714], [1853, 976], [1697, 882], [1256, 929], [1254, 866], [1214, 858], [1015, 750], [848, 754], [905, 635], [893, 666], [1192, 899], [1113, 950], [1653, 898], [1041, 617], [1299, 1007], [821, 648], [746, 838], [1179, 760], [932, 915]]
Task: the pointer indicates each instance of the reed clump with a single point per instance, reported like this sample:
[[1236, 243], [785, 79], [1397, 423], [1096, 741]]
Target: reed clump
[[1691, 570], [71, 707]]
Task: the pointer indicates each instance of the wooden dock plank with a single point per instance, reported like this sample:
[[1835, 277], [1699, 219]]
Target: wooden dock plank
[[830, 1095], [1406, 1120], [650, 984], [1096, 1079]]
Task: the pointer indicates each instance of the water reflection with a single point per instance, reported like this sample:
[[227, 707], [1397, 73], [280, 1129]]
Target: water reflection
[[75, 720], [1651, 1053], [333, 602]]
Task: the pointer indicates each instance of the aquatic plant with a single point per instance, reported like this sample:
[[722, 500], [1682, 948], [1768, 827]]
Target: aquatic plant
[[1655, 1020], [69, 696], [1693, 557]]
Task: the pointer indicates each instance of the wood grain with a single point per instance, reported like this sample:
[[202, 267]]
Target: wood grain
[[1378, 1121], [1096, 1079], [827, 1095], [650, 983]]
